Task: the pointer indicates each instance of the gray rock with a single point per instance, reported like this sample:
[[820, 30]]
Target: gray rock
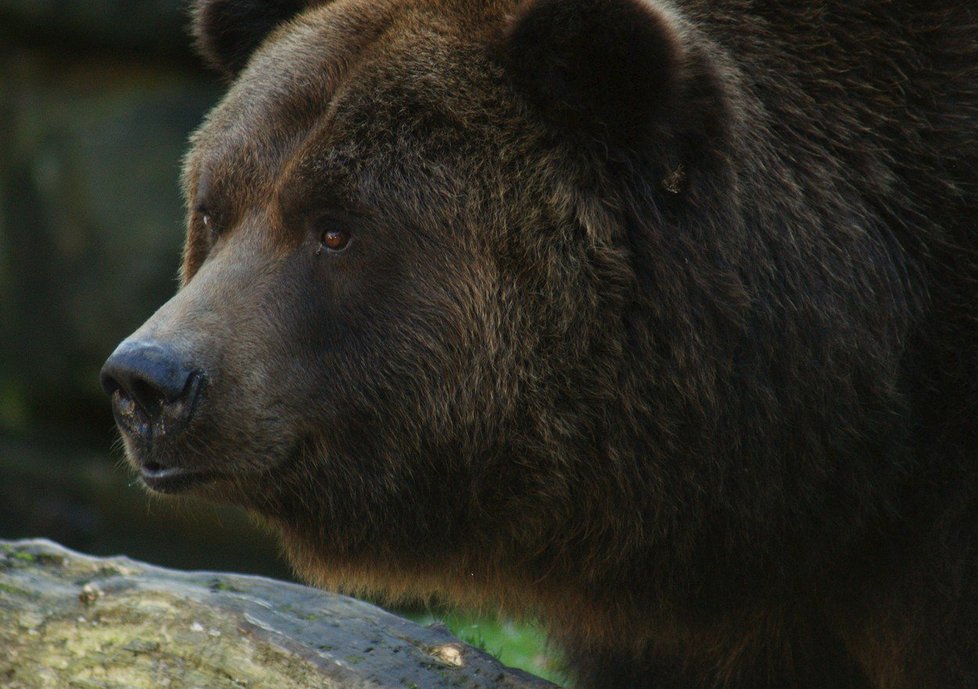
[[71, 620]]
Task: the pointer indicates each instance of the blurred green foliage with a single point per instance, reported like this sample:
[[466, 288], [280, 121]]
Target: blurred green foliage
[[521, 645]]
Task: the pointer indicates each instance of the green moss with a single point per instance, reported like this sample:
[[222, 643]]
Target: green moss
[[219, 585], [516, 645], [23, 556], [15, 590]]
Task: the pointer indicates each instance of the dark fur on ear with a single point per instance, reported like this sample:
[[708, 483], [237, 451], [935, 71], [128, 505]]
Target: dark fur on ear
[[608, 66], [227, 32]]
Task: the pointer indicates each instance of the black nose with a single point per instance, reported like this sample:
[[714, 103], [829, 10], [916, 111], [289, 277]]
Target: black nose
[[150, 384]]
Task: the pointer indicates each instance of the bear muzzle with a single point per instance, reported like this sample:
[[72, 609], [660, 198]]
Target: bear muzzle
[[154, 396]]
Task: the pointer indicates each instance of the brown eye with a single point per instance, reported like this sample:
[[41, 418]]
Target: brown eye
[[335, 240], [210, 225]]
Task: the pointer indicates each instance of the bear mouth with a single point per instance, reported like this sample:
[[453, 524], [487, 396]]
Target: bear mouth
[[170, 480]]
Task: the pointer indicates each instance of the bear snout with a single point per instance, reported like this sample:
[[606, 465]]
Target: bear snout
[[154, 390]]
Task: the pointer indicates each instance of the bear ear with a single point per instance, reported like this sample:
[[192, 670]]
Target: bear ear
[[606, 66], [227, 32]]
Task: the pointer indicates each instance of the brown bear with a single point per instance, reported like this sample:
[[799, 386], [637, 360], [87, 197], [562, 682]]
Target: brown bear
[[654, 319]]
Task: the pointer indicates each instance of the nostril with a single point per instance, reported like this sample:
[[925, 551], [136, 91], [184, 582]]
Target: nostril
[[108, 382], [149, 398]]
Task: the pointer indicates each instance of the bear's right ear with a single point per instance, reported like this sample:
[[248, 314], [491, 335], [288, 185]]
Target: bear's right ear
[[227, 32], [608, 67]]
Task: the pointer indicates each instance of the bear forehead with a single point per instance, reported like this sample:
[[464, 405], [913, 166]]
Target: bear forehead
[[378, 58]]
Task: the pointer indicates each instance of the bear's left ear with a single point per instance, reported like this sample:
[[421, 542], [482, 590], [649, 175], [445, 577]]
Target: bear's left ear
[[227, 32], [606, 66]]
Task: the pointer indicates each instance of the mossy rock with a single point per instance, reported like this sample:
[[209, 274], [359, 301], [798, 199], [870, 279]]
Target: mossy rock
[[79, 621]]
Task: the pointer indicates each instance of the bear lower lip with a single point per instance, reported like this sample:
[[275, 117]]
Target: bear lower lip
[[173, 479]]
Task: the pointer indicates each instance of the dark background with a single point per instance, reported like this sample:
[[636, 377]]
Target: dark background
[[97, 100]]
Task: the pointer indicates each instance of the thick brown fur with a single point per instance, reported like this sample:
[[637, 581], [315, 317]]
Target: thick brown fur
[[657, 322]]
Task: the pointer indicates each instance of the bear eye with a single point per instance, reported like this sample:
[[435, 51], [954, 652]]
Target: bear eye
[[335, 240], [209, 222]]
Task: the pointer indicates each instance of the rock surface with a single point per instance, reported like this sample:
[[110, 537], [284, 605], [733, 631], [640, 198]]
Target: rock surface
[[69, 620]]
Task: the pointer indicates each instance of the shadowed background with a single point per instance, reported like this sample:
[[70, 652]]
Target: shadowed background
[[97, 100]]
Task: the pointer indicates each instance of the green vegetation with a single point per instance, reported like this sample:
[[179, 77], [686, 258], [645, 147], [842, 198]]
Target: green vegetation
[[522, 646]]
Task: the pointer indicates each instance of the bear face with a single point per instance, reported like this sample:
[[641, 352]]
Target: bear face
[[579, 308], [400, 369]]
